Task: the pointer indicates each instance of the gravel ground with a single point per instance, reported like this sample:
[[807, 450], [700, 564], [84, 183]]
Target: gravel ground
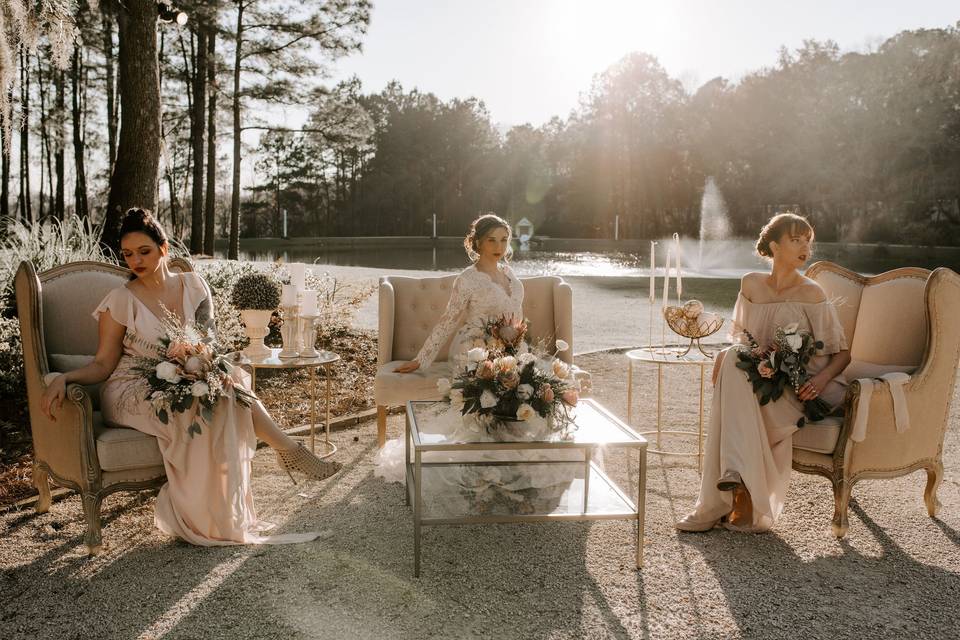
[[896, 574]]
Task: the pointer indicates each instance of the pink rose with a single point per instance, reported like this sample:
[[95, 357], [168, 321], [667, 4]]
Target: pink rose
[[546, 392], [571, 397], [486, 370], [765, 369]]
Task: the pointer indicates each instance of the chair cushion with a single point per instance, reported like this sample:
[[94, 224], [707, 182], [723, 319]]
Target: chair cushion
[[820, 436], [391, 389], [122, 448]]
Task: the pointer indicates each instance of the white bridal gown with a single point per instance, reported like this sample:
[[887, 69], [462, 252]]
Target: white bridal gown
[[475, 297]]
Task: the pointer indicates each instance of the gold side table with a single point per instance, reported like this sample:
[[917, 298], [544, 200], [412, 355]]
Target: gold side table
[[665, 356], [274, 361]]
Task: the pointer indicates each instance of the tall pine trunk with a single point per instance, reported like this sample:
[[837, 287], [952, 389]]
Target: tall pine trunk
[[233, 251], [210, 210], [111, 82], [26, 210], [46, 165], [59, 206], [80, 185], [133, 182], [197, 124]]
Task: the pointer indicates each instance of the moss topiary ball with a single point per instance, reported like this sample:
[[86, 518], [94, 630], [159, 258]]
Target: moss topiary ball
[[256, 291]]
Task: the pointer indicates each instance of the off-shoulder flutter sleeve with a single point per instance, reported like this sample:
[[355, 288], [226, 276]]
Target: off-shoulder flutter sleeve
[[738, 328], [825, 325], [119, 302], [449, 322]]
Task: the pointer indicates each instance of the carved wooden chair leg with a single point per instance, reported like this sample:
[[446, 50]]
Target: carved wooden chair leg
[[91, 511], [934, 477], [841, 500], [42, 482], [381, 425]]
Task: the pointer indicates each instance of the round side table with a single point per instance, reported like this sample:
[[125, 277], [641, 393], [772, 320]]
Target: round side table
[[665, 356], [274, 361]]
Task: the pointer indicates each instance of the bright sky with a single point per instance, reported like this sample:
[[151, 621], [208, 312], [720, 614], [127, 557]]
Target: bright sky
[[531, 59]]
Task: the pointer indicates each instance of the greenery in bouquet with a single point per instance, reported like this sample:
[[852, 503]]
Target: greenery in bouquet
[[783, 365], [190, 372], [256, 291], [496, 385]]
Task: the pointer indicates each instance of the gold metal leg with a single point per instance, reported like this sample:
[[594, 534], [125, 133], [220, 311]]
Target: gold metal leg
[[327, 436], [659, 401], [630, 393], [641, 503], [313, 408], [417, 512]]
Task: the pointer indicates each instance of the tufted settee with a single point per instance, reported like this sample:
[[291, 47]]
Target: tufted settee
[[409, 309], [902, 321], [77, 450]]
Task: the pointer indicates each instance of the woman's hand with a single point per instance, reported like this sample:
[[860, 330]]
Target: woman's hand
[[813, 387], [53, 396], [407, 367]]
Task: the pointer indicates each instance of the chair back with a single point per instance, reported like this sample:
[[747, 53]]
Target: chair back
[[418, 304], [884, 317]]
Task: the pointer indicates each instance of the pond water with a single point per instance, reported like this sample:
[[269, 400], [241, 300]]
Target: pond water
[[712, 259]]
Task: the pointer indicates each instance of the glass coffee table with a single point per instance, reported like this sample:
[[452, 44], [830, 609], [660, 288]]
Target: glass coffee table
[[446, 465]]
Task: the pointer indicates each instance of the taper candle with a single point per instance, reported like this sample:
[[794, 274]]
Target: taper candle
[[677, 254], [653, 272]]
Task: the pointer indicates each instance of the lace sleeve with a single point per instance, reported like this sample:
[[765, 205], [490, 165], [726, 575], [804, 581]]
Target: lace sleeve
[[449, 321]]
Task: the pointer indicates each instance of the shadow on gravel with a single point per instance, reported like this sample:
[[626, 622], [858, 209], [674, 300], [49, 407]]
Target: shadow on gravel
[[771, 591]]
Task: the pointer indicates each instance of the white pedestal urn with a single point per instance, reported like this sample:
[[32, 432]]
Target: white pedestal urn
[[256, 324]]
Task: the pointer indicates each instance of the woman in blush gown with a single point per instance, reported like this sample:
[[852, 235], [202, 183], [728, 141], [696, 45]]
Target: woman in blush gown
[[207, 499], [747, 461]]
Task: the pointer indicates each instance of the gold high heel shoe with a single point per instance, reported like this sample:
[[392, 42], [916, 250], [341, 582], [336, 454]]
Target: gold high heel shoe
[[302, 460]]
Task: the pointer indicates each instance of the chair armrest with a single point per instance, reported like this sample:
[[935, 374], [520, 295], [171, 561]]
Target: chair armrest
[[67, 445], [386, 309]]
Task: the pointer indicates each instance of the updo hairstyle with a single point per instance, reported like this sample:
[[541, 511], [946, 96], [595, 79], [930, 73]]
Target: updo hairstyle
[[142, 221], [778, 226], [480, 229]]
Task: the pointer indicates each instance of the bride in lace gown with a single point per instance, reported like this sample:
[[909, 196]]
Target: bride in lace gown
[[486, 289], [749, 449], [207, 499]]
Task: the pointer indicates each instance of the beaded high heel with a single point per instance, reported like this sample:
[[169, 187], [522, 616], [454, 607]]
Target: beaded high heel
[[302, 460]]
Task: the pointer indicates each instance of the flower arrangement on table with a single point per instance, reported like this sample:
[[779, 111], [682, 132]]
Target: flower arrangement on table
[[503, 380], [772, 369], [190, 370]]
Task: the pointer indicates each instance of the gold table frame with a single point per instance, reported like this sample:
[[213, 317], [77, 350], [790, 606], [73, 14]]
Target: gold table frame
[[629, 439], [668, 356], [274, 361]]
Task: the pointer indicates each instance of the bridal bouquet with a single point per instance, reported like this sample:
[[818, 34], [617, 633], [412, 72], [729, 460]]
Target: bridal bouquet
[[783, 363], [502, 380], [189, 370]]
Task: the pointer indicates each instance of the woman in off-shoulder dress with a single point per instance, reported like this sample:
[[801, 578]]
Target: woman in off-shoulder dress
[[748, 454]]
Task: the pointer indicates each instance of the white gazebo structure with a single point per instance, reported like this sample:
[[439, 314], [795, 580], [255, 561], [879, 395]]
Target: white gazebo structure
[[523, 231]]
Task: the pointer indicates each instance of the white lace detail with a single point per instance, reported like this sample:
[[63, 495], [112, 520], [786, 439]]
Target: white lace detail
[[475, 296]]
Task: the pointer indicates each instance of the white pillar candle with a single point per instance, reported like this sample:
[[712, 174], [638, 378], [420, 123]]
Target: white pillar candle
[[298, 275], [677, 254], [653, 272], [666, 279], [308, 305], [288, 296]]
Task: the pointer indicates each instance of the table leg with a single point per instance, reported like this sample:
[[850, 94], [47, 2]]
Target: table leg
[[587, 453], [700, 429], [659, 402], [641, 504], [313, 408], [406, 461], [630, 393], [417, 506], [326, 437]]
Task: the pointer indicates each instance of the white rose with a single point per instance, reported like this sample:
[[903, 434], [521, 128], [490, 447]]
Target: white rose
[[795, 341], [199, 389], [443, 386], [168, 371], [487, 399], [456, 396], [525, 392], [477, 354], [562, 345], [791, 328], [193, 365], [525, 412]]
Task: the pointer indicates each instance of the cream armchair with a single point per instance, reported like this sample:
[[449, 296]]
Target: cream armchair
[[77, 451], [411, 307], [903, 320]]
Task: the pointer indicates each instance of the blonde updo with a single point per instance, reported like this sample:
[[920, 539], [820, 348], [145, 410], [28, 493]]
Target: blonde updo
[[480, 229], [778, 225]]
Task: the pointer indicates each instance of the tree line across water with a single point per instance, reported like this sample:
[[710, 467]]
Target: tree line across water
[[867, 144]]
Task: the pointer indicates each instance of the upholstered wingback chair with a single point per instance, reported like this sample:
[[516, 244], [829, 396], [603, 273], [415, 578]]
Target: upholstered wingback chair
[[77, 450], [900, 322], [411, 307]]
